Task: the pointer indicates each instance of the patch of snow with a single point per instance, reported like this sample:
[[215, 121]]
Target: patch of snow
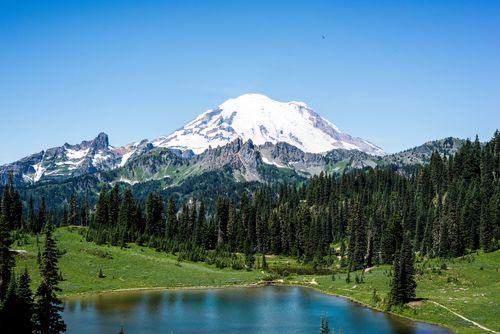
[[39, 171], [99, 158], [76, 163], [125, 158], [54, 172], [269, 162], [75, 154], [127, 181]]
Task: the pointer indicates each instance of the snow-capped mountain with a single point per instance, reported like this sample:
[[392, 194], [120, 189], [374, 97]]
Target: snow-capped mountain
[[72, 160], [284, 134], [260, 119]]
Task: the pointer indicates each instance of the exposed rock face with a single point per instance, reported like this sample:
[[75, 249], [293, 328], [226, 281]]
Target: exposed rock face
[[25, 166], [285, 155], [241, 158], [422, 154], [59, 163]]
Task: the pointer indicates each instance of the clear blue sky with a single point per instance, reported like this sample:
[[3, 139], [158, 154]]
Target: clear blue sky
[[397, 73]]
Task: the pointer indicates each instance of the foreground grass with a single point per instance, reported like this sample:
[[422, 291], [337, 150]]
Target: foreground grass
[[468, 286], [128, 268]]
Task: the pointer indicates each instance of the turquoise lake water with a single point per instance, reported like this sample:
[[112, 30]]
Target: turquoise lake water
[[268, 309]]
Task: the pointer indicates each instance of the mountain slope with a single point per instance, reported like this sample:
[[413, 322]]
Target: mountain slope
[[244, 161], [409, 159], [260, 119], [66, 161]]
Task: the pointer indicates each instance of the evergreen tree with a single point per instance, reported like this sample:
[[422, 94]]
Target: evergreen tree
[[486, 192], [31, 219], [486, 229], [471, 216], [41, 216], [201, 227], [391, 237], [172, 223], [8, 308], [232, 229], [129, 220], [73, 211], [456, 245], [17, 310], [48, 306], [11, 207], [403, 284], [113, 204], [276, 237], [25, 305], [358, 234], [155, 224], [84, 214], [222, 216], [7, 261], [102, 209]]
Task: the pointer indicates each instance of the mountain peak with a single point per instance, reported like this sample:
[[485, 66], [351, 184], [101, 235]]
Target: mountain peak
[[101, 141], [252, 96], [251, 102], [256, 99], [261, 119]]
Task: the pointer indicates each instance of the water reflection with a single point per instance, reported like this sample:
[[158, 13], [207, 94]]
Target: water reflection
[[268, 309]]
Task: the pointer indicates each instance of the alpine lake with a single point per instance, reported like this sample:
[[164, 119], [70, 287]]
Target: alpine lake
[[264, 309]]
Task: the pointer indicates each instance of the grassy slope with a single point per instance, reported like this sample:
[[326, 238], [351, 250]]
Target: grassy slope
[[134, 267], [463, 287]]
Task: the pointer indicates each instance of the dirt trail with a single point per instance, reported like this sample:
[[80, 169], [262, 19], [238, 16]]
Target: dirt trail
[[464, 318]]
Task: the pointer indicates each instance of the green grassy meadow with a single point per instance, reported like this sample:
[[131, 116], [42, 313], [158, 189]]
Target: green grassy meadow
[[469, 286], [127, 268]]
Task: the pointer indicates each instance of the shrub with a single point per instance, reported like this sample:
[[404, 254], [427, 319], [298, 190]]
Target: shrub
[[268, 277], [97, 252], [101, 274]]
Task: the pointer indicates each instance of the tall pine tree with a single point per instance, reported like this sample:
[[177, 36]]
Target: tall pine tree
[[403, 284], [7, 261], [48, 306]]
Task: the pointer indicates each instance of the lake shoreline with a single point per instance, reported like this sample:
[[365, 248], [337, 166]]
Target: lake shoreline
[[158, 288], [371, 307], [249, 285]]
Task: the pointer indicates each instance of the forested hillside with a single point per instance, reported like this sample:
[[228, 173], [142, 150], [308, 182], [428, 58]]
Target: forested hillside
[[447, 208]]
